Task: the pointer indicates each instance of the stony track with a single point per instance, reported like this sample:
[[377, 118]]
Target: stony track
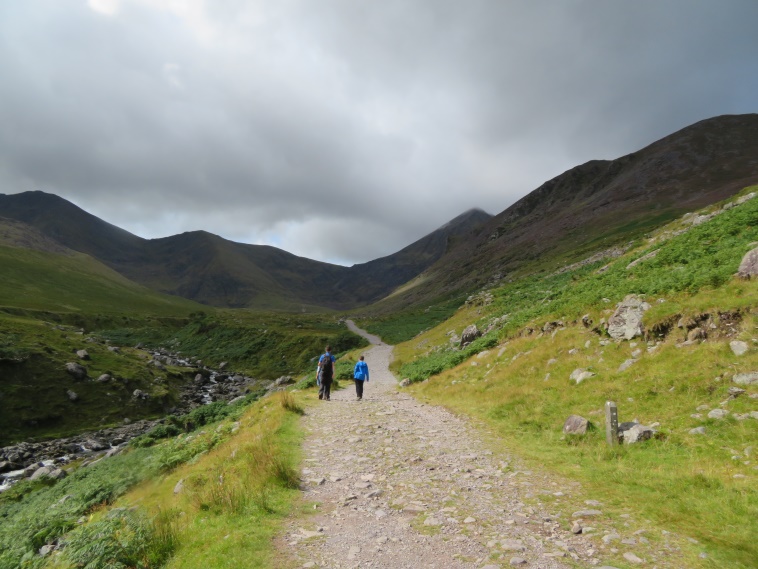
[[395, 483]]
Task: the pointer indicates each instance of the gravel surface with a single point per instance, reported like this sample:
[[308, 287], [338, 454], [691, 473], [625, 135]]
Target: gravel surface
[[396, 483]]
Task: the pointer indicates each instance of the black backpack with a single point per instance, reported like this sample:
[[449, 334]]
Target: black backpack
[[327, 368]]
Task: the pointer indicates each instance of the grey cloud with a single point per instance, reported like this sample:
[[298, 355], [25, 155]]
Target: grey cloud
[[343, 130]]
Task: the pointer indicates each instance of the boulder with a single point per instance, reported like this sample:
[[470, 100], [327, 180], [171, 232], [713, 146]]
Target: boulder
[[83, 354], [95, 445], [749, 265], [405, 382], [78, 371], [739, 348], [749, 378], [42, 471], [72, 395], [638, 433], [104, 378], [470, 333], [718, 414], [626, 322], [114, 349], [575, 425]]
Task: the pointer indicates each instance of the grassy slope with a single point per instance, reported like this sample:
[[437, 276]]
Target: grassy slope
[[45, 298], [688, 484], [38, 280], [207, 525]]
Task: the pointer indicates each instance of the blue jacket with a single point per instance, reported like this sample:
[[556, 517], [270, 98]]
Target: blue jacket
[[361, 371]]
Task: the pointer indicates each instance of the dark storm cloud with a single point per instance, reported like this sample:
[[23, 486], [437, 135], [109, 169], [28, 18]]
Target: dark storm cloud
[[344, 130]]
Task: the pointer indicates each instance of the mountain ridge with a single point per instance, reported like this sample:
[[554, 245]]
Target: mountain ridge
[[210, 269]]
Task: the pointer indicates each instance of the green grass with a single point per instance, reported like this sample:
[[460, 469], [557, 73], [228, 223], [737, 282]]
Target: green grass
[[34, 353], [704, 257], [701, 487], [404, 325], [147, 529], [36, 280]]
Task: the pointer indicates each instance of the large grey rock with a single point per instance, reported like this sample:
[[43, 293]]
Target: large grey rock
[[749, 265], [575, 425], [42, 471], [739, 348], [470, 333], [95, 445], [638, 433], [104, 378], [749, 378], [76, 370], [718, 414], [626, 322], [83, 354]]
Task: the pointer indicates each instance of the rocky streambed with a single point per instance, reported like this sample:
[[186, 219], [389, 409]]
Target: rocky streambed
[[31, 460]]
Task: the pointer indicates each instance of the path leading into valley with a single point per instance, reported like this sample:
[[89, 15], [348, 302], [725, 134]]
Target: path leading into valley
[[396, 483]]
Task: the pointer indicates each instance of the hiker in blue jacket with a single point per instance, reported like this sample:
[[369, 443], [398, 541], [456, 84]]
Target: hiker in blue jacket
[[326, 365], [360, 374]]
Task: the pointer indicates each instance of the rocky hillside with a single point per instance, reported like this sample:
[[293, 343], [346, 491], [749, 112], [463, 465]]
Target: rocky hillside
[[601, 204]]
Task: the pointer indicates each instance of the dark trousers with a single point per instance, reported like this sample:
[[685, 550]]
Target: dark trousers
[[325, 391], [359, 388]]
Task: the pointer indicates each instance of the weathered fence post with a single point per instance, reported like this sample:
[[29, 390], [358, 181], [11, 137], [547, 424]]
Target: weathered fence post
[[611, 423]]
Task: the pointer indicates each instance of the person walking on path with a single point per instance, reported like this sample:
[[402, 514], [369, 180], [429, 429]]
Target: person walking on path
[[326, 366], [360, 374]]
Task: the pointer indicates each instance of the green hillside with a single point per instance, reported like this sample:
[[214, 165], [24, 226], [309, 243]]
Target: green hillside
[[516, 379], [53, 304], [42, 281]]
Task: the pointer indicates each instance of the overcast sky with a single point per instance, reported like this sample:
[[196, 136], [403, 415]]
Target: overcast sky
[[343, 130]]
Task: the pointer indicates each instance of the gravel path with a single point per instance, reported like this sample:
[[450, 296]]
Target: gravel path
[[395, 483]]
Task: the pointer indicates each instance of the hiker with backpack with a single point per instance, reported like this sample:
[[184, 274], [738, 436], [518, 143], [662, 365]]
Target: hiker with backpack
[[326, 372], [360, 374]]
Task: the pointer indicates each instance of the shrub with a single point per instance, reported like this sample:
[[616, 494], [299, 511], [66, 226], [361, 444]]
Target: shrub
[[123, 539]]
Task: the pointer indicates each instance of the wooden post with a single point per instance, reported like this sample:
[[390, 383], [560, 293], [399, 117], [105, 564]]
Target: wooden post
[[611, 423]]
